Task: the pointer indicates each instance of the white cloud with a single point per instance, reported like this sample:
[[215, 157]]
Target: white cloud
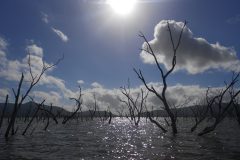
[[96, 85], [44, 17], [194, 54], [59, 84], [35, 50], [105, 97], [3, 93], [2, 54], [60, 34], [11, 70], [176, 95], [80, 82], [58, 93], [3, 44], [50, 97]]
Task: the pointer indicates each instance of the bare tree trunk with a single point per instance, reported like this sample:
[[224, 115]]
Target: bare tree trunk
[[16, 106], [222, 112], [34, 115], [135, 106], [237, 111], [3, 112], [79, 103], [92, 114], [45, 128], [28, 113], [110, 117], [164, 76], [165, 119], [156, 123], [67, 118], [18, 101]]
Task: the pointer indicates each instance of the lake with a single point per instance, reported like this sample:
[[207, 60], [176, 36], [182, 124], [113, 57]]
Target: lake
[[120, 140]]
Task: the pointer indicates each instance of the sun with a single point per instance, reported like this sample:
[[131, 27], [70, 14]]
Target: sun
[[122, 7]]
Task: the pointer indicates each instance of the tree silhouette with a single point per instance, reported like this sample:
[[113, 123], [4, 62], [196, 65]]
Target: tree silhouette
[[162, 95]]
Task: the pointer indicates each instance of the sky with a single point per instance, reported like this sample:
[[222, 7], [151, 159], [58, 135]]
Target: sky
[[101, 47]]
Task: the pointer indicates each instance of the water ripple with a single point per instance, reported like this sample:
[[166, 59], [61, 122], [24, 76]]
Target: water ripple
[[121, 140]]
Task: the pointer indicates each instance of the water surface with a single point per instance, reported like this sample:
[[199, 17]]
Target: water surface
[[121, 140]]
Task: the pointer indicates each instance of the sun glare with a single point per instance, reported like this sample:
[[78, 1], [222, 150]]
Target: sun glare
[[122, 7]]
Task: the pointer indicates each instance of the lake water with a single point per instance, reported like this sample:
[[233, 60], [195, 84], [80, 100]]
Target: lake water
[[121, 140]]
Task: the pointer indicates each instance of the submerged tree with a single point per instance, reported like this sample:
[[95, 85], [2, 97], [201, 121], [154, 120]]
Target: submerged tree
[[224, 102], [33, 116], [20, 97], [3, 111], [120, 111], [201, 112], [135, 104], [79, 102], [162, 94]]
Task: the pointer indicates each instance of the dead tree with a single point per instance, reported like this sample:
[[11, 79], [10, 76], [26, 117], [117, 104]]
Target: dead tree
[[235, 104], [135, 105], [59, 113], [110, 115], [19, 100], [222, 110], [120, 111], [32, 118], [200, 114], [237, 110], [79, 102], [50, 114], [93, 112], [150, 116], [156, 123], [3, 111], [96, 108], [47, 124], [162, 95], [27, 115]]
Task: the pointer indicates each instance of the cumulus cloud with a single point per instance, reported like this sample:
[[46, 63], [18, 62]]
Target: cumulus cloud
[[105, 97], [34, 50], [60, 34], [58, 83], [3, 43], [3, 46], [96, 85], [11, 70], [58, 93], [3, 93], [50, 97], [194, 55], [177, 95]]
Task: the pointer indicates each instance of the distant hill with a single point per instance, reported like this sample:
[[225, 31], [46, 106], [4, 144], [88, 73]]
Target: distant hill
[[188, 111], [31, 107]]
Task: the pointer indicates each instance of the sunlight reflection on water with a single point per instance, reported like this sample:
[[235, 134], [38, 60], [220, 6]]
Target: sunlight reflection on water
[[121, 140]]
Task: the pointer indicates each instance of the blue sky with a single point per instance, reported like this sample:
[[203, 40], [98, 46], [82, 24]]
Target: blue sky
[[104, 47]]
